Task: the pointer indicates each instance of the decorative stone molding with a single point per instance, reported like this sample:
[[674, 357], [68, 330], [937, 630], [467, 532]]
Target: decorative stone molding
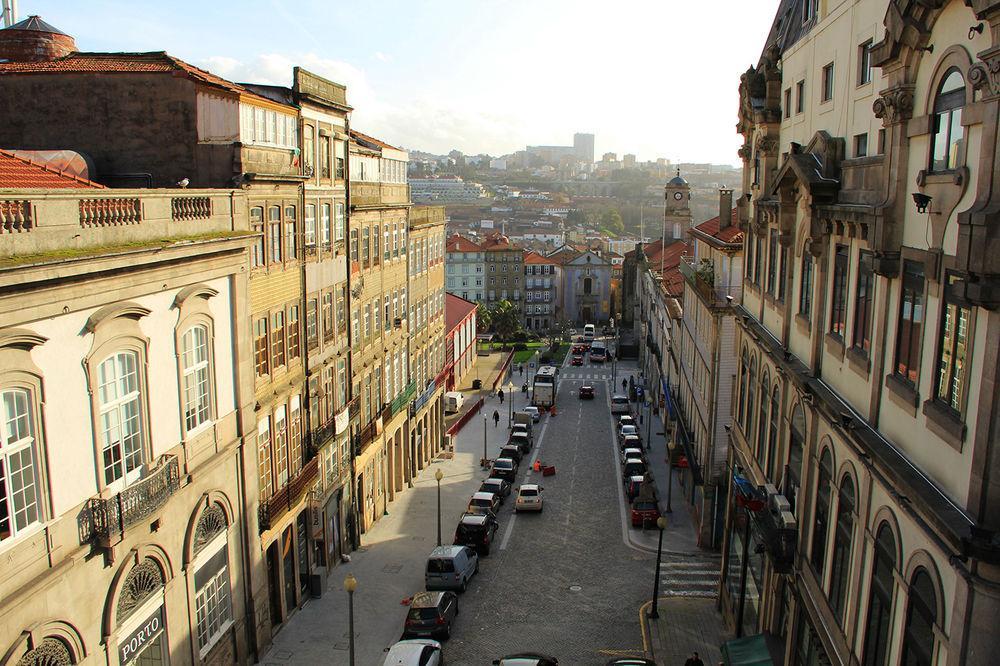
[[894, 105], [766, 144], [985, 75], [745, 152]]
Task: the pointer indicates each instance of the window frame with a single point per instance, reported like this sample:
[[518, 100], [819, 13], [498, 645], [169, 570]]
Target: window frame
[[843, 547], [865, 62], [827, 83], [258, 251], [30, 385], [206, 365], [127, 477], [954, 399], [948, 105], [840, 277], [908, 285], [864, 303], [220, 580]]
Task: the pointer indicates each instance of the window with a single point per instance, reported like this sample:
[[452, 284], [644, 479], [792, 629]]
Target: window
[[827, 89], [376, 257], [881, 141], [19, 492], [338, 222], [341, 383], [947, 132], [864, 301], [324, 226], [782, 271], [327, 316], [808, 10], [310, 230], [342, 309], [796, 444], [308, 148], [260, 346], [909, 324], [212, 599], [366, 247], [264, 456], [880, 599], [758, 258], [800, 96], [788, 103], [772, 436], [950, 362], [197, 382], [120, 406], [324, 157], [921, 616], [838, 304], [821, 518], [295, 434], [386, 248], [772, 261], [762, 420], [842, 538], [354, 245], [294, 334], [278, 339], [257, 226], [312, 323], [751, 393], [280, 448], [861, 145], [291, 246], [865, 63], [274, 232]]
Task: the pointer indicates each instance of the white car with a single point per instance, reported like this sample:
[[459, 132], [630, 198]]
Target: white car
[[414, 652], [535, 414], [627, 430], [529, 498]]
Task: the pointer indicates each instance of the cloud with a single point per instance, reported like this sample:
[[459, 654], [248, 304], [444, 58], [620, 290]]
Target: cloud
[[384, 57]]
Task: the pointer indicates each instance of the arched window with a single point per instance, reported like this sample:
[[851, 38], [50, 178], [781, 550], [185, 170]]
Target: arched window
[[762, 420], [119, 393], [213, 596], [19, 491], [751, 392], [772, 435], [840, 564], [796, 444], [197, 377], [821, 519], [49, 652], [948, 134], [741, 402], [921, 615], [880, 599]]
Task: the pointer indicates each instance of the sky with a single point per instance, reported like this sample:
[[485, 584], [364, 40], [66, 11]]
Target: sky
[[657, 78]]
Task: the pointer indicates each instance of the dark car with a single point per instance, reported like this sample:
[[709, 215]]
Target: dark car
[[629, 442], [504, 468], [526, 659], [633, 467], [431, 614], [476, 530], [586, 392], [632, 487], [644, 513], [512, 451], [577, 360], [521, 441], [498, 487]]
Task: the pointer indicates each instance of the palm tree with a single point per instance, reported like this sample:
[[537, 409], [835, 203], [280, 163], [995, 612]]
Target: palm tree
[[505, 319]]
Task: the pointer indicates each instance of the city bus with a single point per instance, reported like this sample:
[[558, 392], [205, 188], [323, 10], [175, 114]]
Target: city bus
[[598, 352], [545, 387]]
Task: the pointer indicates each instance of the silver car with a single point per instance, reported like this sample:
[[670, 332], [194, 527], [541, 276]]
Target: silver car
[[414, 652], [450, 568]]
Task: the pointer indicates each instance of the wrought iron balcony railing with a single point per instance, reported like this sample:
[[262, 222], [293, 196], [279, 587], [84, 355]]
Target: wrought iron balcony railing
[[111, 516], [288, 496]]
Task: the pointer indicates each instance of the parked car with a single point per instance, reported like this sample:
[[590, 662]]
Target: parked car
[[536, 414], [504, 468], [576, 360], [476, 530], [644, 513], [631, 661], [521, 441], [529, 498], [619, 404], [633, 467], [523, 429], [632, 453], [414, 652], [512, 451], [526, 659], [626, 419], [481, 502], [431, 614], [632, 487], [579, 349], [586, 392], [629, 442], [498, 487], [450, 568], [627, 430]]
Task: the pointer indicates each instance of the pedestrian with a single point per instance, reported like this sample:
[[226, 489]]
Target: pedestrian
[[624, 384], [520, 368], [500, 395], [496, 418], [694, 660]]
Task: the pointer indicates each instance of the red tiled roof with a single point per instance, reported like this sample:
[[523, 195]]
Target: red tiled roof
[[730, 234], [120, 63], [456, 309], [19, 173], [355, 134], [535, 258], [459, 243], [497, 242]]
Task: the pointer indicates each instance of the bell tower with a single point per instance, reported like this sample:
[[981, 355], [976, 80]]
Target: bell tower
[[677, 209]]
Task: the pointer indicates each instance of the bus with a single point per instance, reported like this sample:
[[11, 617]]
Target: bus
[[545, 387], [598, 352], [589, 332]]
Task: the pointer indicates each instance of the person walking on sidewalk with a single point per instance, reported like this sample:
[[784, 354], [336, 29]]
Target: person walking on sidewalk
[[694, 660], [500, 395], [496, 418]]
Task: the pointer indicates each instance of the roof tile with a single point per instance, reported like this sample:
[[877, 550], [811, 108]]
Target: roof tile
[[19, 173]]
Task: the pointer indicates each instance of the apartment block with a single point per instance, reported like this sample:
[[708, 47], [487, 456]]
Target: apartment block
[[465, 269]]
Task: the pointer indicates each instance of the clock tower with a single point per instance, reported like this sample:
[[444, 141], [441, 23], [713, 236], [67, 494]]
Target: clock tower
[[677, 209]]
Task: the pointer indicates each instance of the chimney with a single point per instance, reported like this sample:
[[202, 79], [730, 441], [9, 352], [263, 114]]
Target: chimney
[[725, 207]]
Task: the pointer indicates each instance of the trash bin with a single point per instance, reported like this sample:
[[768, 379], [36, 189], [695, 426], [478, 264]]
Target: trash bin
[[477, 384]]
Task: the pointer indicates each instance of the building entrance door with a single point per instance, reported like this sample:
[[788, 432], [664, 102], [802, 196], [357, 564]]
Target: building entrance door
[[288, 562]]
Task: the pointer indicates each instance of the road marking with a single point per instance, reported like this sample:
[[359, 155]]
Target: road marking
[[527, 475]]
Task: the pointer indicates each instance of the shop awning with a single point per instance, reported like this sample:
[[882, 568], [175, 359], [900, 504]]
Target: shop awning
[[747, 651]]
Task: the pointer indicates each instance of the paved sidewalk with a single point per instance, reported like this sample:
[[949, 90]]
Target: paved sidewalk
[[486, 369], [684, 626]]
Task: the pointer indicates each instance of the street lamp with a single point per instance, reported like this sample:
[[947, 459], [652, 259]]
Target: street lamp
[[661, 522], [351, 584], [510, 403], [670, 472], [484, 439], [438, 475], [649, 422]]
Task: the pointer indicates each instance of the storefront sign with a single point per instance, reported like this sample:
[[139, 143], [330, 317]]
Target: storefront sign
[[133, 644]]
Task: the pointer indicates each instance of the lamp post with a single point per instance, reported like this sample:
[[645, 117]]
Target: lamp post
[[670, 473], [350, 584], [438, 475], [661, 522], [510, 404], [649, 423], [484, 438]]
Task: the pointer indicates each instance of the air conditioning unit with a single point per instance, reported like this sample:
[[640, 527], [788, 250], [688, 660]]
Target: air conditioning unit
[[779, 504], [787, 520]]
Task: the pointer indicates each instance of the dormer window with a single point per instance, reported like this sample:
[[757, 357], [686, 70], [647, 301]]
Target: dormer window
[[948, 136]]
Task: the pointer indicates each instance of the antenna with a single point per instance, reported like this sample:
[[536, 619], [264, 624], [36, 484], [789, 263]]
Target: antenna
[[9, 13]]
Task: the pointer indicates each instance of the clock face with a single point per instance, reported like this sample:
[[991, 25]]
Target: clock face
[[678, 196]]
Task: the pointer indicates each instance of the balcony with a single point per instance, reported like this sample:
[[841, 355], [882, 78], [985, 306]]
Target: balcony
[[372, 195], [700, 274], [400, 402], [424, 397], [288, 496], [111, 516]]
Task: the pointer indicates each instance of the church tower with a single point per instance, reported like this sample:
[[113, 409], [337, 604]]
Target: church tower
[[677, 209]]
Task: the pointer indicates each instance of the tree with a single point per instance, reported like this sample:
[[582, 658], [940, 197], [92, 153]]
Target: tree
[[611, 222], [484, 318], [505, 319]]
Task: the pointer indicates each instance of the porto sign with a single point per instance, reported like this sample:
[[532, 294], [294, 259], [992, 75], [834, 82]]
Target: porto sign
[[132, 646]]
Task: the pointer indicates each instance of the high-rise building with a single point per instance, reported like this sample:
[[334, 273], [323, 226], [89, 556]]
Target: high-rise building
[[583, 146]]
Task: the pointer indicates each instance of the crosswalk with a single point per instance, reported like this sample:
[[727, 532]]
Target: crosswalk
[[690, 577], [584, 375]]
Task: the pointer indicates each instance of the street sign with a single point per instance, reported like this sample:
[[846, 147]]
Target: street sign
[[531, 365]]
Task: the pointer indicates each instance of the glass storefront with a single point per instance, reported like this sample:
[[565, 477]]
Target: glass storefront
[[755, 571]]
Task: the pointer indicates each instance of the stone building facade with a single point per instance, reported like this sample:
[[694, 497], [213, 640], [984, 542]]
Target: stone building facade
[[465, 268], [863, 503], [504, 266]]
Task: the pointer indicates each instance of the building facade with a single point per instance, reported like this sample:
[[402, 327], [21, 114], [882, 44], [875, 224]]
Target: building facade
[[460, 343], [865, 420], [465, 269], [504, 266], [542, 276], [586, 289]]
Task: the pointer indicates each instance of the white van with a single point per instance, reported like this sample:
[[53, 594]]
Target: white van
[[453, 401], [588, 332], [619, 404]]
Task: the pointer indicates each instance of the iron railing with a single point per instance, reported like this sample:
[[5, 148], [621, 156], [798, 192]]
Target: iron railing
[[423, 398], [701, 275], [111, 516], [288, 496], [400, 402]]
